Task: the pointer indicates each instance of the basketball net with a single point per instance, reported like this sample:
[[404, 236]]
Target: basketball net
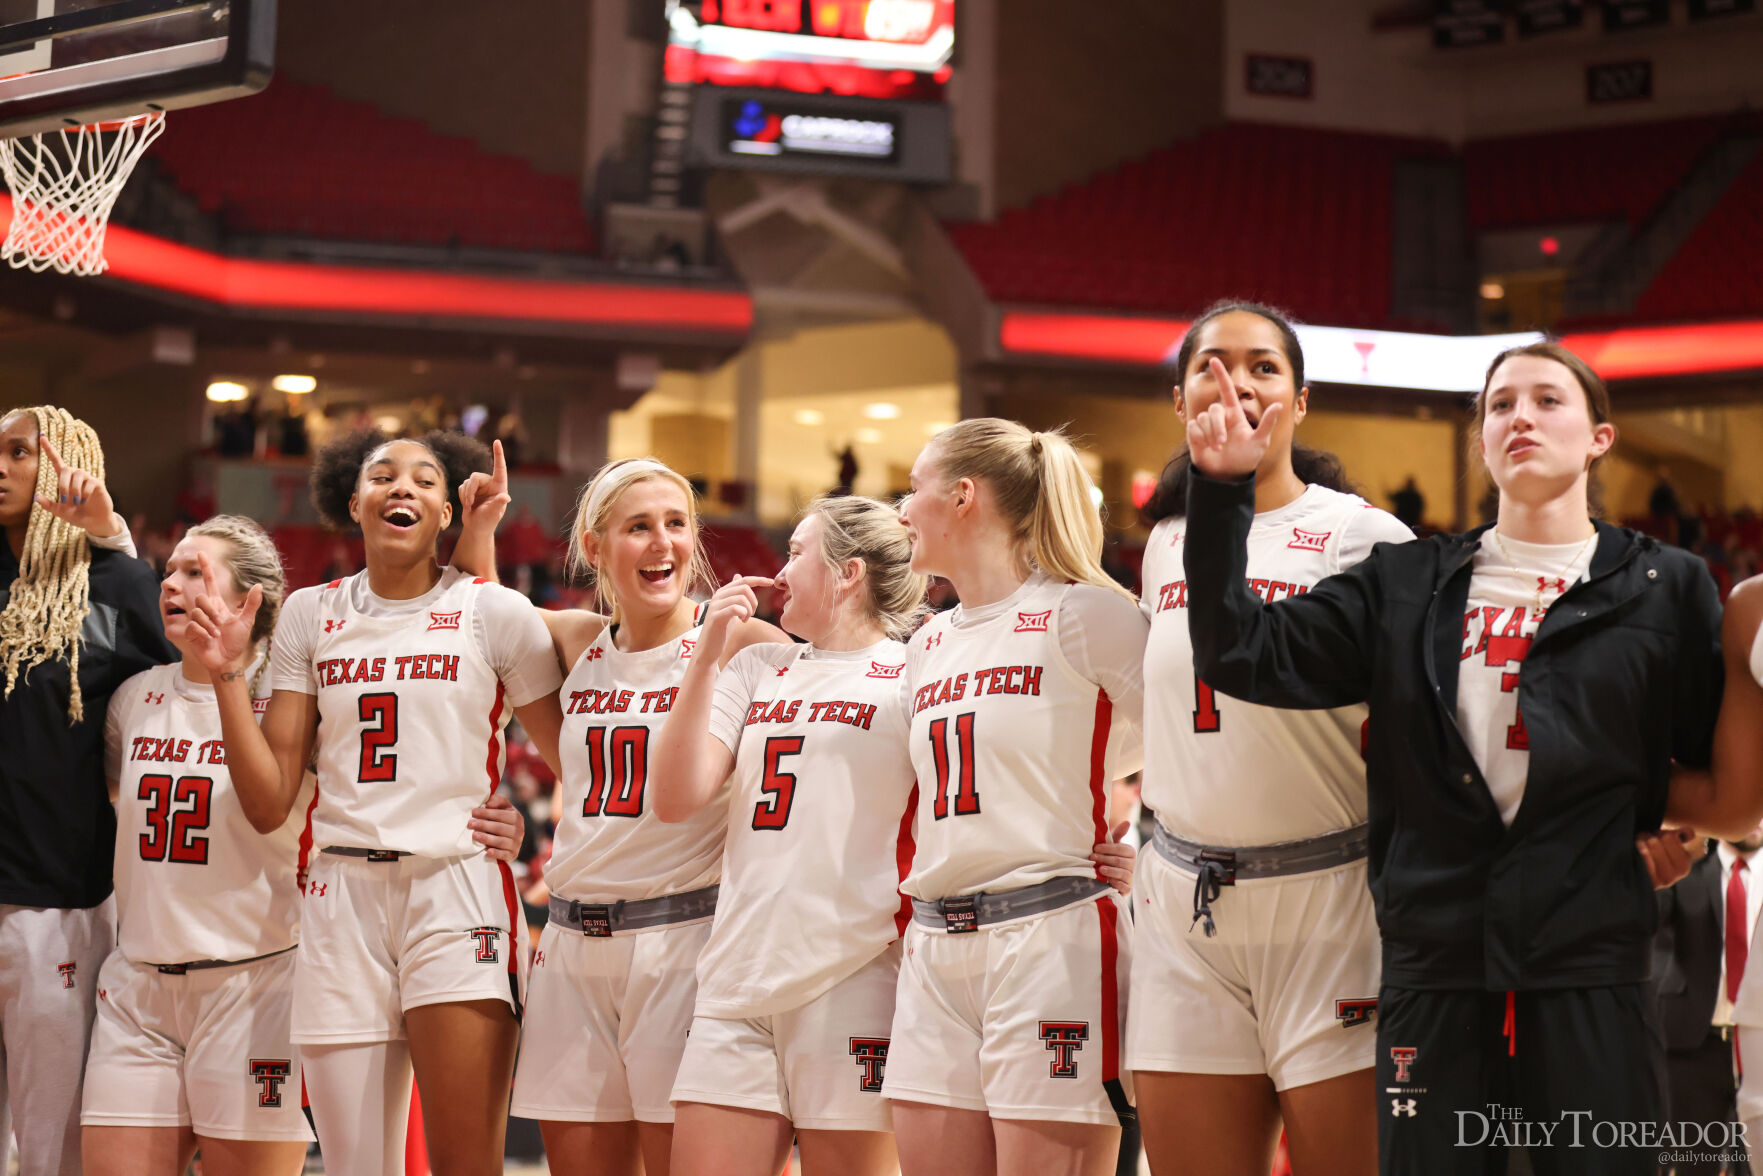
[[64, 184]]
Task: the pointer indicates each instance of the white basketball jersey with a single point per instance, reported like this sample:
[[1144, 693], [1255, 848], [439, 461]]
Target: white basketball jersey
[[1012, 751], [411, 719], [610, 845], [1225, 772], [194, 880], [819, 829]]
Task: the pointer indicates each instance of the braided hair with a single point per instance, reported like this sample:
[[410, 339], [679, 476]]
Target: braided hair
[[51, 596]]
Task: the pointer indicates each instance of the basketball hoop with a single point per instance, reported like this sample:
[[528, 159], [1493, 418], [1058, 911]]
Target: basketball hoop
[[64, 184]]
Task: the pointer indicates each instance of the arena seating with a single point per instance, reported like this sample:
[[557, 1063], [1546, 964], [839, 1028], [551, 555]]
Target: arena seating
[[298, 160], [1296, 216], [1621, 172], [1719, 270], [739, 551]]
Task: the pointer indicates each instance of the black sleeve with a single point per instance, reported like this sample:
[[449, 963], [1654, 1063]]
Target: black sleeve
[[1701, 673], [128, 585], [1305, 652]]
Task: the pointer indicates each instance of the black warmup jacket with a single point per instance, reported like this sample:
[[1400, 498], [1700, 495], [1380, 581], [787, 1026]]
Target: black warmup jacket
[[57, 826], [1624, 677]]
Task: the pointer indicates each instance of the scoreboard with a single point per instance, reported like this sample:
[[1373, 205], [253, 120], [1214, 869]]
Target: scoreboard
[[852, 48], [830, 87]]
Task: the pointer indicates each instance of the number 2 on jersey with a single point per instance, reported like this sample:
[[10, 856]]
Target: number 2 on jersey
[[966, 790], [175, 839], [379, 763], [619, 756]]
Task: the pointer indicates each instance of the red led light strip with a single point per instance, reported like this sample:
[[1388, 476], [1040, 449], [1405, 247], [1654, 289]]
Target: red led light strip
[[146, 260], [1621, 354]]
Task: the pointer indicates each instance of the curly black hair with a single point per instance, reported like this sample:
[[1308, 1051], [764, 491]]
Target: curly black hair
[[336, 470]]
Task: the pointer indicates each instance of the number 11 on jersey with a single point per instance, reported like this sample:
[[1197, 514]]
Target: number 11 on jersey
[[966, 791]]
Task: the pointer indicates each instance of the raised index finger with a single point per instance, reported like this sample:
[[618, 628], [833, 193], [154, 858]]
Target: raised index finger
[[208, 586], [54, 457], [1227, 391], [499, 470]]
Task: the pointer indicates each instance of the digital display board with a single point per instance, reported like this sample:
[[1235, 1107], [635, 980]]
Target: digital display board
[[763, 130], [894, 49]]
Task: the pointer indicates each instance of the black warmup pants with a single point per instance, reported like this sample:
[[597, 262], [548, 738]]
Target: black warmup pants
[[1579, 1082]]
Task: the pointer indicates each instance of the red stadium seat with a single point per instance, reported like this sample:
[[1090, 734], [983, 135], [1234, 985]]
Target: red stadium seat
[[296, 159]]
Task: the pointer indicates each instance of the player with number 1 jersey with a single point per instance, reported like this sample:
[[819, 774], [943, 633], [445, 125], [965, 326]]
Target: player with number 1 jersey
[[1257, 950]]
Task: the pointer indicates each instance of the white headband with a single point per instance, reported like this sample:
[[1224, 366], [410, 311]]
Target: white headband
[[648, 466]]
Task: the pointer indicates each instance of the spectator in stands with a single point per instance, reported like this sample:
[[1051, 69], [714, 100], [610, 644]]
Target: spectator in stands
[[512, 433], [289, 428], [1665, 508], [847, 469], [235, 431], [1408, 504], [196, 500], [1700, 949]]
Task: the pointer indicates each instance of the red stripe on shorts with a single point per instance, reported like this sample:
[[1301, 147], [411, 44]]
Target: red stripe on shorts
[[904, 850], [1110, 988], [1099, 767], [515, 922]]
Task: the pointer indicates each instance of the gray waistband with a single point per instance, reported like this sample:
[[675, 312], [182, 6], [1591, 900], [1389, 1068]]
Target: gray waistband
[[1229, 863], [970, 912], [599, 920], [203, 965]]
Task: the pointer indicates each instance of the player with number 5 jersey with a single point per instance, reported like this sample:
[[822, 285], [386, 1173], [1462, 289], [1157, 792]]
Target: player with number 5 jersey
[[1025, 704], [404, 676]]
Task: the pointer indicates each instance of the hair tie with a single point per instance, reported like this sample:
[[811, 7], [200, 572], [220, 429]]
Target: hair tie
[[1034, 444]]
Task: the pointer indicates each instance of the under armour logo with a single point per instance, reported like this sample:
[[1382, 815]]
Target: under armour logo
[[317, 889], [1064, 1039], [66, 971], [1400, 1106], [155, 699], [1544, 583], [685, 650], [872, 1056], [596, 653], [782, 670], [333, 626], [270, 1073], [934, 640], [1403, 1057], [1033, 622], [486, 943], [538, 959], [104, 995]]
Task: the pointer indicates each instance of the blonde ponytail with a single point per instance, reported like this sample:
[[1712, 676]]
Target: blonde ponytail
[[1042, 490], [253, 561]]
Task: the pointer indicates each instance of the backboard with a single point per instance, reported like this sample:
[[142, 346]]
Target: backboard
[[69, 63]]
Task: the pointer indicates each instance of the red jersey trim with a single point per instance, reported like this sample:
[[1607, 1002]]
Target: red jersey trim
[[1099, 765], [904, 850]]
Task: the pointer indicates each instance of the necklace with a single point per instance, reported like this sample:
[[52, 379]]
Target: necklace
[[1560, 581]]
